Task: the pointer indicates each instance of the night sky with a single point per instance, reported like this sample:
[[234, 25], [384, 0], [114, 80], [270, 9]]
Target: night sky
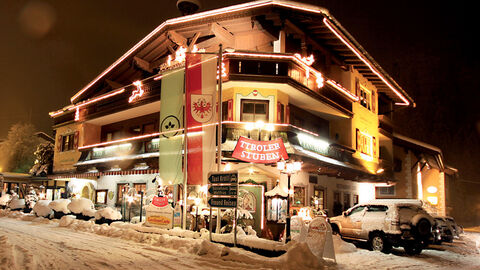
[[51, 49]]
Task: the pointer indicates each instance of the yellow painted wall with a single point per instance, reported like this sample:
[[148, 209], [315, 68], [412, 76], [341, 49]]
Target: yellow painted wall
[[231, 93], [88, 134]]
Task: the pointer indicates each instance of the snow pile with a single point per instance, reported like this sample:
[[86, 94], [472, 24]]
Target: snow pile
[[214, 250], [66, 221], [60, 206], [342, 246], [108, 213], [17, 203], [173, 232], [299, 256], [77, 206], [42, 209], [250, 231], [5, 199]]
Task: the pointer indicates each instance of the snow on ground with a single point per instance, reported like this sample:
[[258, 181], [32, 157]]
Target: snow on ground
[[29, 242], [461, 254]]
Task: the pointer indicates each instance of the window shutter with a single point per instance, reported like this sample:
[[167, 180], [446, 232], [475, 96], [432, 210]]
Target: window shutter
[[230, 110], [357, 88], [75, 140], [287, 112], [59, 143], [374, 102], [279, 112]]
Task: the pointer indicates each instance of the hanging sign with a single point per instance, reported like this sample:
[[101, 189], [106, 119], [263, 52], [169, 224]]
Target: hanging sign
[[260, 151]]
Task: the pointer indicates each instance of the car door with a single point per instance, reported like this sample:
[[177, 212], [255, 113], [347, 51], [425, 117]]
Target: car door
[[352, 221], [373, 219]]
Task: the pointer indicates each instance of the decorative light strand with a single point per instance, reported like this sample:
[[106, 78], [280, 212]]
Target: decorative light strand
[[181, 130], [359, 55], [202, 15]]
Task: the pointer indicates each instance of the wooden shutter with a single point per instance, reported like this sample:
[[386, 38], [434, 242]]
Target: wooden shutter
[[230, 110], [59, 143], [279, 112], [287, 112], [75, 140]]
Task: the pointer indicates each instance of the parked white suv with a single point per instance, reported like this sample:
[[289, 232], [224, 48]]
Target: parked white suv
[[385, 223]]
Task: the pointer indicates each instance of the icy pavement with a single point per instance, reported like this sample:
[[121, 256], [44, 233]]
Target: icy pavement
[[27, 242]]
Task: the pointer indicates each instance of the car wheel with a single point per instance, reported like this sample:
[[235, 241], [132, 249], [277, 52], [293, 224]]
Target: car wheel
[[423, 228], [378, 242], [413, 248]]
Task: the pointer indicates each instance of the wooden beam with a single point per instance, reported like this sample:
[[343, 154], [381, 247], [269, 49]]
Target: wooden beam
[[193, 41], [113, 84], [225, 36], [177, 38], [143, 64], [315, 43]]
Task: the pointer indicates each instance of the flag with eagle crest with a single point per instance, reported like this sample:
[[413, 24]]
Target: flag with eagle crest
[[201, 82]]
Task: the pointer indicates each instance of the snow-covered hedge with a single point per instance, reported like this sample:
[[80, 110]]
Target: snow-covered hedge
[[108, 213], [77, 206], [17, 203], [42, 209], [6, 198], [60, 205], [89, 212]]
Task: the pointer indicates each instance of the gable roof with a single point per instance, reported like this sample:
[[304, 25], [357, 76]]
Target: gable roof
[[320, 25]]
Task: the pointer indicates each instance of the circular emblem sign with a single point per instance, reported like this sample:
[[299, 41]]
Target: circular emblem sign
[[170, 126]]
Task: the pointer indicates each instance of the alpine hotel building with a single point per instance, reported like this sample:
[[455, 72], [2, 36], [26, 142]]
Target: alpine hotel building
[[290, 71]]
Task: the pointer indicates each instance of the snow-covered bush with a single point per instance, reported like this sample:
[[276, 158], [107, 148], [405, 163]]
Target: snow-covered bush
[[31, 198], [42, 209], [89, 213], [60, 205], [108, 213], [77, 206], [5, 199], [17, 204]]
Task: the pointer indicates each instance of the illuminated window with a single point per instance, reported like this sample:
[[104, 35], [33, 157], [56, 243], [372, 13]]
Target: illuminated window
[[121, 188], [140, 187], [365, 97], [319, 194], [254, 110], [389, 191]]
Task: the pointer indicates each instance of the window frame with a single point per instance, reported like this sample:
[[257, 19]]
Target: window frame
[[255, 101]]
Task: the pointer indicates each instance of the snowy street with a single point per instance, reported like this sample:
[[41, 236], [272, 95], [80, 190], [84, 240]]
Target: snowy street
[[27, 242]]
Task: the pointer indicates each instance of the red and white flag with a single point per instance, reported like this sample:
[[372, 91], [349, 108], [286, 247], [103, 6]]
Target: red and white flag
[[201, 82]]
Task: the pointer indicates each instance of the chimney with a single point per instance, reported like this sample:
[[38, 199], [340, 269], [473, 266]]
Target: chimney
[[188, 7]]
